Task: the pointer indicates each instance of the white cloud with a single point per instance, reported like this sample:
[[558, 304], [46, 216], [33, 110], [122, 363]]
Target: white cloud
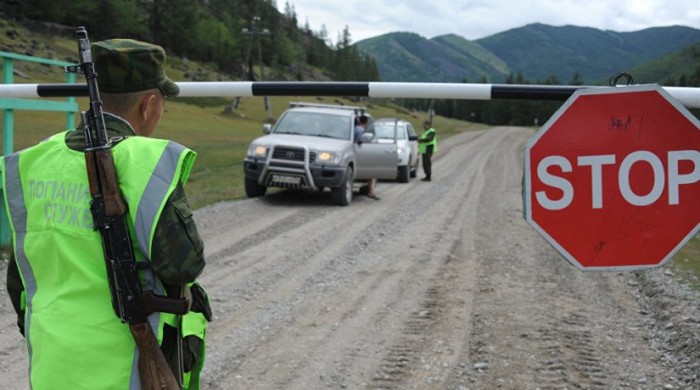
[[476, 19]]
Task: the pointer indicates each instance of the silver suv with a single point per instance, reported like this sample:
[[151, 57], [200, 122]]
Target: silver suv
[[311, 147]]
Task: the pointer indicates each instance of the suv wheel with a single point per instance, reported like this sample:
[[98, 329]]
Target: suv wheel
[[342, 196], [253, 189], [403, 174]]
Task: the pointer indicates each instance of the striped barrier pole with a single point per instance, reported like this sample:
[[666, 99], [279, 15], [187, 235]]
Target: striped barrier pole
[[687, 96]]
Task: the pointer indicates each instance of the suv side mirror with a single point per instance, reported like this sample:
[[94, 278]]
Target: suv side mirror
[[413, 138], [267, 128], [366, 138]]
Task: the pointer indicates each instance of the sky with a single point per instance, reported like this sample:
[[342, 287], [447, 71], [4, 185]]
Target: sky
[[474, 19]]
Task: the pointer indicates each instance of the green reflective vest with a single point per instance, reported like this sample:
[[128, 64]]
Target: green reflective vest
[[74, 340], [423, 146]]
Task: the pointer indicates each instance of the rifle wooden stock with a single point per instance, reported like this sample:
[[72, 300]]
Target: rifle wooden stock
[[153, 368], [106, 178]]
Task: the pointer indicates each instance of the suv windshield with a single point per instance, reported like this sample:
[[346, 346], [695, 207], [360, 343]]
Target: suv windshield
[[314, 124], [385, 130]]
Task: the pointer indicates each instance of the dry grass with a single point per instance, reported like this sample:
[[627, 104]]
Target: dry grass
[[686, 263]]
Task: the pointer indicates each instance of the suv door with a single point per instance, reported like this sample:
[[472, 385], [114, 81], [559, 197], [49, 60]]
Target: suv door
[[413, 143], [376, 161]]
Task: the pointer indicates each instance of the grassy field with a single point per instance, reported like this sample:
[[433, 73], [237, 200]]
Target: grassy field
[[686, 263]]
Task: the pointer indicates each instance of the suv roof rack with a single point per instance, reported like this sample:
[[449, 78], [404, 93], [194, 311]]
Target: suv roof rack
[[360, 110]]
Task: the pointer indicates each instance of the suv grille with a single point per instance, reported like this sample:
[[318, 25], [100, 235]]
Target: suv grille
[[293, 154], [287, 153]]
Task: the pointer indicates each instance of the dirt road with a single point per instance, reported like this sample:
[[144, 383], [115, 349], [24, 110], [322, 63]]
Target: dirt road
[[438, 285]]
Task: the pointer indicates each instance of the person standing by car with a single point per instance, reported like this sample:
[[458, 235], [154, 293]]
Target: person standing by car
[[360, 128], [427, 145], [56, 278]]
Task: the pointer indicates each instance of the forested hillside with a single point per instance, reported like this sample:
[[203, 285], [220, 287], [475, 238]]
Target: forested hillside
[[213, 32]]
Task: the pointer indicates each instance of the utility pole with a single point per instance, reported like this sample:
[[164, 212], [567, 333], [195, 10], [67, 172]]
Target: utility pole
[[431, 111], [254, 33]]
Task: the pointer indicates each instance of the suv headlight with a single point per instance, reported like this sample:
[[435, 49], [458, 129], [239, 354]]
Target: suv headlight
[[326, 158], [257, 151]]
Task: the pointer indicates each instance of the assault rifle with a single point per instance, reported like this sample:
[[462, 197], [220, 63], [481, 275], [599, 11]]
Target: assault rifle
[[109, 213]]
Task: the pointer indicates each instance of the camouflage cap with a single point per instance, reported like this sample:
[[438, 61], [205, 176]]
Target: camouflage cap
[[126, 65]]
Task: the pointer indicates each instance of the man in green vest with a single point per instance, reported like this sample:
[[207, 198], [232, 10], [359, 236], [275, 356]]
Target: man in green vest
[[427, 145], [57, 278]]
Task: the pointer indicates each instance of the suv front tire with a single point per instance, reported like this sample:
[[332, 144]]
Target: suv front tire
[[342, 196], [253, 189], [403, 175]]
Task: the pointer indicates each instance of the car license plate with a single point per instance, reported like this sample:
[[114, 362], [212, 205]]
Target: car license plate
[[286, 179]]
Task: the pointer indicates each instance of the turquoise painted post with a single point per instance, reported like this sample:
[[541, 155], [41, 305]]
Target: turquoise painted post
[[8, 114], [7, 148]]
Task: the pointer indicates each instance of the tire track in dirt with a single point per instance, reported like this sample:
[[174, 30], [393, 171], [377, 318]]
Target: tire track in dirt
[[421, 357], [384, 300]]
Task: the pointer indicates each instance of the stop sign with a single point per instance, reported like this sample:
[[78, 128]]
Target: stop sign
[[612, 180]]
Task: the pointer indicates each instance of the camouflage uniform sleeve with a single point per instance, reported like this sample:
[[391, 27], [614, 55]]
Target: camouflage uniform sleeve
[[15, 289], [177, 256]]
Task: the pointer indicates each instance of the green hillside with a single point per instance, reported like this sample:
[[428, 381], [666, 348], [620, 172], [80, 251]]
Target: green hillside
[[399, 56], [473, 50], [659, 41], [540, 51], [681, 67], [409, 57]]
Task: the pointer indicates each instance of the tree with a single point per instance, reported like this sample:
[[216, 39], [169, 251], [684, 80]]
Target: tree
[[577, 79]]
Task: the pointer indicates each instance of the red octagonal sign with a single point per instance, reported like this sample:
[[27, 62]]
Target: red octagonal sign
[[612, 180]]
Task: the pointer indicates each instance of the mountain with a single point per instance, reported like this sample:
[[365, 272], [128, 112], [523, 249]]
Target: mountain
[[410, 57], [538, 51], [671, 68]]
